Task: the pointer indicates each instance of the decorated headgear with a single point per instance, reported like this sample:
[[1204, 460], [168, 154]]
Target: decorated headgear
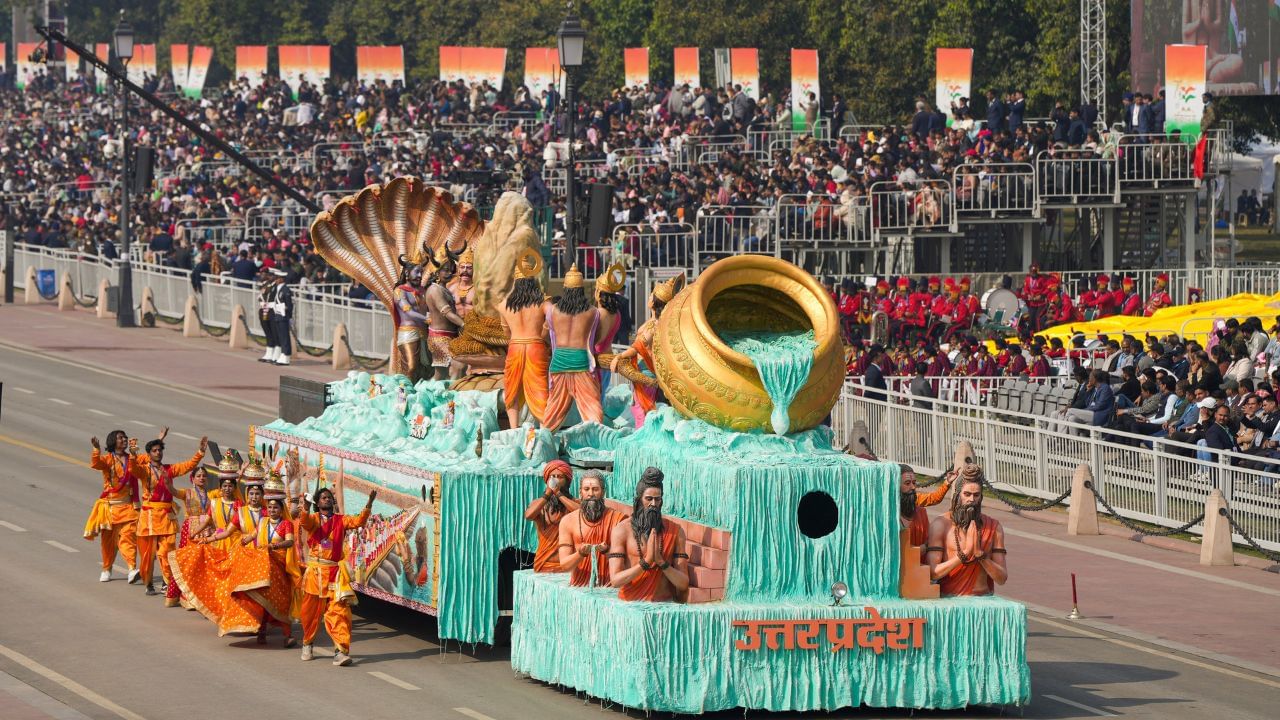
[[904, 281], [1054, 280], [933, 281], [883, 285], [964, 283], [254, 473], [555, 466], [529, 264], [1035, 267], [665, 291], [573, 278], [468, 256], [1163, 278], [613, 279], [1104, 279], [1126, 281], [273, 488], [228, 466]]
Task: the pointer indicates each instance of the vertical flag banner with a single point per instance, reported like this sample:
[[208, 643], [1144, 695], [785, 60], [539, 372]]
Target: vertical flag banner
[[251, 62], [744, 66], [72, 63], [201, 59], [473, 65], [3, 57], [26, 68], [541, 68], [179, 65], [804, 80], [636, 65], [384, 63], [954, 78], [450, 63], [143, 63], [720, 60], [1184, 87], [686, 67], [102, 50], [303, 62]]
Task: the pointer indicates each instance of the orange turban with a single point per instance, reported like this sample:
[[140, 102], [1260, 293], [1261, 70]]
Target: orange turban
[[556, 466]]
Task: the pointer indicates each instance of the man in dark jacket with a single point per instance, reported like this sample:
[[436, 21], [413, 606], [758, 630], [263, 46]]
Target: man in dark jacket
[[1017, 111], [873, 378], [996, 112]]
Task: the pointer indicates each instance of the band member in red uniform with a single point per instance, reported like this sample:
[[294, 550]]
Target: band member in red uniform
[[1159, 297], [1061, 309], [1039, 363], [1017, 363], [1131, 299], [1035, 293], [1102, 300], [972, 303]]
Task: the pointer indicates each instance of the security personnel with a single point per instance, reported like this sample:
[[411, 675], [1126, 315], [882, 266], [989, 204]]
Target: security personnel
[[281, 314]]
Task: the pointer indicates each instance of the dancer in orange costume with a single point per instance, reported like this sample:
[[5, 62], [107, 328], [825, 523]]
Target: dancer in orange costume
[[528, 358], [114, 516], [157, 526], [546, 511], [326, 585]]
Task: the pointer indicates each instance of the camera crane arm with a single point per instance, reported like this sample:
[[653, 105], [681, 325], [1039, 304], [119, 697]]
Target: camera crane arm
[[57, 36]]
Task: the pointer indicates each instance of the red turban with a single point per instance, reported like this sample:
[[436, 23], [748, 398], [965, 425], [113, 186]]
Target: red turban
[[556, 466]]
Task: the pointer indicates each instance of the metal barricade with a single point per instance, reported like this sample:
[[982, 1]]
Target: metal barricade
[[818, 231], [1072, 178], [657, 245], [927, 208], [700, 149], [724, 230], [222, 232], [995, 192], [1156, 162]]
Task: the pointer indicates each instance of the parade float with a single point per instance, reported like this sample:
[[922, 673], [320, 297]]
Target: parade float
[[803, 592]]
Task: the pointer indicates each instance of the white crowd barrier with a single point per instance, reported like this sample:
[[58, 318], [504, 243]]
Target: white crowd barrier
[[1036, 456]]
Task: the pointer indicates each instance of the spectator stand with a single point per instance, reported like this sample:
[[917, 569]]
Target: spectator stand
[[725, 230], [1036, 456]]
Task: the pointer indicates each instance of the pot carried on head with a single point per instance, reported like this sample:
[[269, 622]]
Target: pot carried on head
[[703, 377]]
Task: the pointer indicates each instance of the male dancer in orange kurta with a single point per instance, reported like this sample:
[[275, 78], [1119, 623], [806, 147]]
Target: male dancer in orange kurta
[[326, 584], [646, 556], [114, 517], [525, 374], [966, 548], [546, 512], [157, 528], [586, 531]]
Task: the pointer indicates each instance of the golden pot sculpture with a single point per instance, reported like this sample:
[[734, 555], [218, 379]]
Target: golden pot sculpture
[[705, 379]]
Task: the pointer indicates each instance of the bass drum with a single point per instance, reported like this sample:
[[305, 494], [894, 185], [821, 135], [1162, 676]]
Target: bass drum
[[1002, 303]]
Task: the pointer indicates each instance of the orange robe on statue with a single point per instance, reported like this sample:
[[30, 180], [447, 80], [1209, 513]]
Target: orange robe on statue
[[964, 579], [546, 559], [525, 375], [645, 585], [597, 534], [326, 584]]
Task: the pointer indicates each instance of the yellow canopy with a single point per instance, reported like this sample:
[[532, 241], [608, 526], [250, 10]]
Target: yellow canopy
[[1186, 321]]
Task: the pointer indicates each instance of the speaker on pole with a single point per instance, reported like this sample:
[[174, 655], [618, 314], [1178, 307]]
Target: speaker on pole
[[144, 168], [600, 215]]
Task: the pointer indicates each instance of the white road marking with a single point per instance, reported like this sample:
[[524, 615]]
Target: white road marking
[[143, 424], [474, 715], [60, 401], [185, 436], [11, 526], [25, 391], [60, 546], [69, 684], [1144, 563], [394, 681], [1079, 706], [1159, 653], [103, 413]]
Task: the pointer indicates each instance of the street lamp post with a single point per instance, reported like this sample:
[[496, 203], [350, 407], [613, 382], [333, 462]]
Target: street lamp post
[[570, 39], [123, 38]]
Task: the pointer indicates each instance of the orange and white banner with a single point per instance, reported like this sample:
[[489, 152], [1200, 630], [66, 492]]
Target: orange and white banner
[[26, 69], [635, 63], [473, 65], [744, 70], [805, 91], [303, 62], [251, 63], [1185, 82], [687, 71], [143, 64], [4, 58], [541, 69], [179, 64], [201, 59], [71, 64], [103, 51], [381, 62], [954, 78]]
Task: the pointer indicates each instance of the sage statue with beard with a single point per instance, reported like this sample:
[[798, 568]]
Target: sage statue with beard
[[585, 533], [572, 321], [912, 503], [547, 511], [646, 556], [966, 553]]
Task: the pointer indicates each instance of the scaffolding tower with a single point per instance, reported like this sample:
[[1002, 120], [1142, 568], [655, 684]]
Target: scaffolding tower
[[1093, 56]]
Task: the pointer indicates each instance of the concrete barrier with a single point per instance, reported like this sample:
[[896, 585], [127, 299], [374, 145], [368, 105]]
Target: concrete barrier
[[1082, 516], [31, 294], [66, 301], [341, 356], [191, 318], [1216, 548], [239, 335], [103, 310]]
